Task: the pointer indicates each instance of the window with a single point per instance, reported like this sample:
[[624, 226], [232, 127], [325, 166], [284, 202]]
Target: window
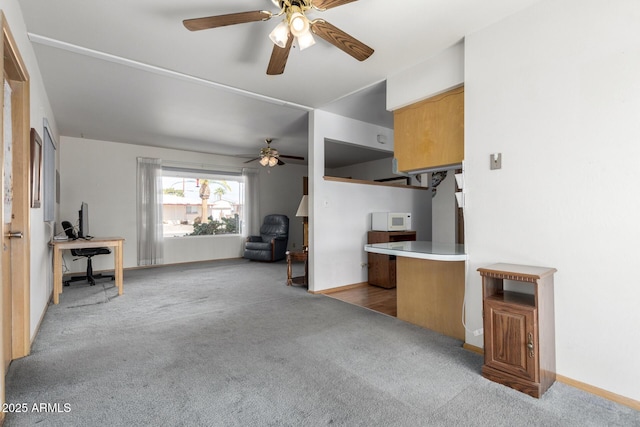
[[187, 193]]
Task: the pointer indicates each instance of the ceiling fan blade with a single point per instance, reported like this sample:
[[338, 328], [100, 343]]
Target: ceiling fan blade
[[280, 162], [328, 4], [253, 160], [341, 40], [279, 57], [196, 24], [291, 157]]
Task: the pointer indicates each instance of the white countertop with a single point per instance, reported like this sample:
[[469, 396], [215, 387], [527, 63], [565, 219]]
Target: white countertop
[[421, 249]]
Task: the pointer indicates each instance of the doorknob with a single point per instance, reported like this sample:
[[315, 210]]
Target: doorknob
[[14, 235]]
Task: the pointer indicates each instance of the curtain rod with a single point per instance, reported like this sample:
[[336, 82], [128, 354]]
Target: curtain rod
[[206, 167]]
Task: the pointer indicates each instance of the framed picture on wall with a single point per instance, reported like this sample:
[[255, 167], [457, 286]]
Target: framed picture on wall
[[36, 168], [48, 177]]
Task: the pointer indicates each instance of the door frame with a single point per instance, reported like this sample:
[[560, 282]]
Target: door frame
[[15, 72]]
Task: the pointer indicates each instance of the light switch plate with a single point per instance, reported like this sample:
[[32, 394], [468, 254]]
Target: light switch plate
[[495, 161]]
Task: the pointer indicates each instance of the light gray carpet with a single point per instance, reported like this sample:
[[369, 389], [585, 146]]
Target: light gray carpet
[[227, 343]]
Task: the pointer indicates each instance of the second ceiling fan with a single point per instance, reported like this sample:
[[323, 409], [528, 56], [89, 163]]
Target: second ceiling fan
[[271, 157], [295, 25]]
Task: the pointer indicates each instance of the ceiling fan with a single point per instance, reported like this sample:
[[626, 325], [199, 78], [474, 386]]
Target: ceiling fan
[[294, 25], [270, 156]]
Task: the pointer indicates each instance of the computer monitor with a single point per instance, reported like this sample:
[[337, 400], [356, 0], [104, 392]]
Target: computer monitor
[[83, 221]]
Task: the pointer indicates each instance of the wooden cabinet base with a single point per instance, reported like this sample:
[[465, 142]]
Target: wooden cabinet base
[[430, 294], [528, 387]]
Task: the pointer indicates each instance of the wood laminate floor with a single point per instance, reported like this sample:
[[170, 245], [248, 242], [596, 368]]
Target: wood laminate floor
[[372, 297]]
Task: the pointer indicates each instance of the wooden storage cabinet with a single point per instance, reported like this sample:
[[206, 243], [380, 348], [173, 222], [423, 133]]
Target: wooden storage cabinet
[[519, 332], [430, 133], [382, 268]]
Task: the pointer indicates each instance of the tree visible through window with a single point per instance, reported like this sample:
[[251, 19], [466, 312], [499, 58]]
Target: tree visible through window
[[196, 204]]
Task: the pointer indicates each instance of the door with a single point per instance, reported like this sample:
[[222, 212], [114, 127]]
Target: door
[[510, 329], [14, 211]]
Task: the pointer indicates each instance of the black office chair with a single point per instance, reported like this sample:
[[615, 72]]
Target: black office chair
[[85, 253]]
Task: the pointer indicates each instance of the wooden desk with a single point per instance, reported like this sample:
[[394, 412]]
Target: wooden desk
[[297, 256], [97, 242]]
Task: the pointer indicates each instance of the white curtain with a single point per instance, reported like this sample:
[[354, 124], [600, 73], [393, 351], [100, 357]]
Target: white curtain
[[251, 202], [150, 238]]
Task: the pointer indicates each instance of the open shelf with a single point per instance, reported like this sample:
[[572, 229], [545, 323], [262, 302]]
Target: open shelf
[[515, 298]]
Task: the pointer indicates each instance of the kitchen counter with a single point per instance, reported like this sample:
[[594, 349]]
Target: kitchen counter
[[430, 282], [420, 249]]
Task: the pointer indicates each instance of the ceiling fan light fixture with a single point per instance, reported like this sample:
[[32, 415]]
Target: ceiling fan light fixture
[[280, 34], [273, 161], [299, 24], [264, 161], [305, 40]]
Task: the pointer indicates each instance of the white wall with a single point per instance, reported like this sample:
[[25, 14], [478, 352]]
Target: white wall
[[41, 232], [555, 89], [431, 77], [103, 174], [444, 211], [369, 171], [340, 211]]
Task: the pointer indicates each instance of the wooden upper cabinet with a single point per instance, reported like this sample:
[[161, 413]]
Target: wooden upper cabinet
[[430, 133]]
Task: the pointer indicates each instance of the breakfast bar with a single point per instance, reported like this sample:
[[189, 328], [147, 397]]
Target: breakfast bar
[[430, 281]]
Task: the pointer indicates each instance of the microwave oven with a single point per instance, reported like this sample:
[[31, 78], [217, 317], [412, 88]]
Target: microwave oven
[[390, 221]]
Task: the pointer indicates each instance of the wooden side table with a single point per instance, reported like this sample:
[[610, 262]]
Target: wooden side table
[[519, 328], [297, 256]]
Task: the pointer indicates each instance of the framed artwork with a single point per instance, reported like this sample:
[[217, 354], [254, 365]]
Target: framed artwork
[[48, 177], [36, 168]]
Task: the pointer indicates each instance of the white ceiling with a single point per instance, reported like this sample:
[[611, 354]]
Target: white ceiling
[[128, 71]]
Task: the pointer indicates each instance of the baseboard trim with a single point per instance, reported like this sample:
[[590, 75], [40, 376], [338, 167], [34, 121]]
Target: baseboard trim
[[341, 288], [35, 332], [185, 263], [623, 400], [473, 348]]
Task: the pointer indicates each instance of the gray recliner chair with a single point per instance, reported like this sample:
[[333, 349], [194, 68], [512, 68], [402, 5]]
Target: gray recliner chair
[[271, 244]]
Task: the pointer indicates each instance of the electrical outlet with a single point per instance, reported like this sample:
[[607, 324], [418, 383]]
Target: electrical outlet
[[478, 332], [363, 265]]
